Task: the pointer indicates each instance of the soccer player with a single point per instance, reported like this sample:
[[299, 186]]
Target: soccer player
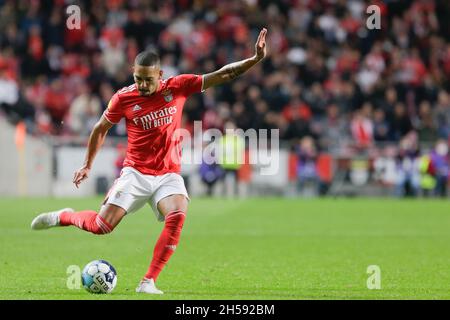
[[152, 108]]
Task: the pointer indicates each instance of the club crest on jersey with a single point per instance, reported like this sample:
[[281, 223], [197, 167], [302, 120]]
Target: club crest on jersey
[[167, 95]]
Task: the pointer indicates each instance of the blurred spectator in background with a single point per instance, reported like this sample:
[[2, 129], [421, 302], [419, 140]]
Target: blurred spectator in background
[[12, 101], [390, 99], [401, 123], [362, 127], [84, 112], [426, 127], [9, 94], [427, 174], [385, 168], [380, 126], [56, 101], [408, 174], [331, 130], [211, 172], [231, 147], [441, 162], [316, 99], [308, 178], [441, 114]]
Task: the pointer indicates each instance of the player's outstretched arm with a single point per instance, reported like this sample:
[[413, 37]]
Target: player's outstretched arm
[[233, 70], [96, 140]]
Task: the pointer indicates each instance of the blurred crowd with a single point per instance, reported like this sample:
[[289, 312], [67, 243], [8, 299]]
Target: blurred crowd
[[327, 77]]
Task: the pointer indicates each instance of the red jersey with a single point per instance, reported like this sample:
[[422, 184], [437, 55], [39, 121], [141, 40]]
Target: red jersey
[[152, 121]]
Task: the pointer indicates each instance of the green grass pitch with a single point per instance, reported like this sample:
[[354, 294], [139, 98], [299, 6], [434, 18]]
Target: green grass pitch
[[241, 249]]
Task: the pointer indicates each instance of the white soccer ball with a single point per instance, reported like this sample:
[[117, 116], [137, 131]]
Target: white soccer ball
[[99, 276]]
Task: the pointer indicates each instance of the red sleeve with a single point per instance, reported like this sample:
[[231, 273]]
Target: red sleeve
[[190, 83], [114, 112]]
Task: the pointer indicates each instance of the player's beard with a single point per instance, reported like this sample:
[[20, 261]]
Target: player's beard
[[144, 93]]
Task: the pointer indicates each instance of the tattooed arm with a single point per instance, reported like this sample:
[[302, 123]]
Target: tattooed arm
[[233, 70]]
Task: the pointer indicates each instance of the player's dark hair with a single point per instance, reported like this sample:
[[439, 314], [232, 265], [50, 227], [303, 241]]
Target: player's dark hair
[[147, 59]]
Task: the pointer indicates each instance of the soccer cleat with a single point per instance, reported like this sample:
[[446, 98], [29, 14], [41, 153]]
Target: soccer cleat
[[48, 220], [148, 286]]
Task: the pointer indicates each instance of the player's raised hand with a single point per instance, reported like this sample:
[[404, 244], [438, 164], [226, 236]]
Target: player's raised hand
[[260, 46], [80, 175]]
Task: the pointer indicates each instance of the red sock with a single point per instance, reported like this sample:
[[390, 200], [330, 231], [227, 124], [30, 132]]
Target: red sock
[[167, 242], [86, 220]]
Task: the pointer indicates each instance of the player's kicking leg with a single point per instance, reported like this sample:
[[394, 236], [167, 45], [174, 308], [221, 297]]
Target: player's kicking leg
[[174, 209], [102, 223]]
